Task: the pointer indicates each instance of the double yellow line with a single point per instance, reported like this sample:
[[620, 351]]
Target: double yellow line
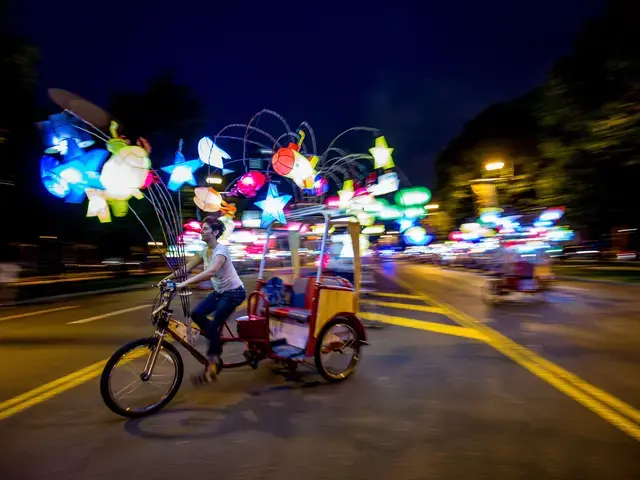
[[613, 410], [44, 392]]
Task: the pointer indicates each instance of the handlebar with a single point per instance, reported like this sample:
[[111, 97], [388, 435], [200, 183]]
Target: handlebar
[[165, 285]]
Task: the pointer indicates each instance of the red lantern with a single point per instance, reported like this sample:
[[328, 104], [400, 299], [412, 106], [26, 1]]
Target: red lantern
[[284, 159], [250, 183]]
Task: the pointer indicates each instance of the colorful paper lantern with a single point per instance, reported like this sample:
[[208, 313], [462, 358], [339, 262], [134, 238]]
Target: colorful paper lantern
[[405, 223], [387, 183], [413, 197], [320, 185], [346, 194], [211, 154], [415, 212], [229, 226], [381, 154], [207, 199], [373, 230], [552, 214], [332, 202], [60, 133], [249, 184], [390, 212], [273, 207], [416, 236], [125, 172], [182, 172], [302, 172], [284, 160], [98, 205]]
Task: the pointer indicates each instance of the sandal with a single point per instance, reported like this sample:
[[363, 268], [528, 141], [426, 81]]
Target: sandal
[[209, 375]]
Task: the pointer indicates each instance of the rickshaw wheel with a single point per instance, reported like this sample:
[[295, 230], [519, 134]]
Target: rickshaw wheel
[[337, 338]]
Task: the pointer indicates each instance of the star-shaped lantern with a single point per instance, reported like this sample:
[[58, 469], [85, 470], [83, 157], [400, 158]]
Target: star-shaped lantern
[[381, 154], [182, 172], [273, 207], [98, 206]]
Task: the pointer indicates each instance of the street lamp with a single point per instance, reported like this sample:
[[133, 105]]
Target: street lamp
[[494, 165], [432, 206]]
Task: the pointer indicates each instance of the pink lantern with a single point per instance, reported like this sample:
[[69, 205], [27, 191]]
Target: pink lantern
[[250, 183], [193, 226], [332, 202]]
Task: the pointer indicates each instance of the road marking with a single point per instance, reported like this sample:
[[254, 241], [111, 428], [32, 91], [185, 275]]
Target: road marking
[[394, 295], [608, 407], [39, 312], [40, 394], [405, 306], [48, 390], [44, 392], [422, 325], [106, 315]]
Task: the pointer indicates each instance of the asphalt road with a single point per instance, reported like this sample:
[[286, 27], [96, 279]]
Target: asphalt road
[[449, 388]]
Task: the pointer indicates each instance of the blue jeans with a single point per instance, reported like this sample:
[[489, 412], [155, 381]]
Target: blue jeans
[[221, 305]]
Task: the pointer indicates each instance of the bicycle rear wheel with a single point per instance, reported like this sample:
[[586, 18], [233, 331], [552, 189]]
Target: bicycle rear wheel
[[123, 377]]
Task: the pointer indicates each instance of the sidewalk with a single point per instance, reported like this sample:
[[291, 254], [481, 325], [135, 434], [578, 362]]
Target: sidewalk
[[57, 287]]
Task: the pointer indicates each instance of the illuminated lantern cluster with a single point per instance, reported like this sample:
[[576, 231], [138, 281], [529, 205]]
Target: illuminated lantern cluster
[[80, 174]]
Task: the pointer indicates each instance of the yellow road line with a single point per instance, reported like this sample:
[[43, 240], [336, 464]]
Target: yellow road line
[[404, 306], [48, 390], [43, 392], [422, 325], [39, 312], [106, 315], [608, 407], [394, 295]]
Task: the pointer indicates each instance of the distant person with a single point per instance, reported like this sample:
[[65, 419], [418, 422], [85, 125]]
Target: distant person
[[228, 293], [9, 273]]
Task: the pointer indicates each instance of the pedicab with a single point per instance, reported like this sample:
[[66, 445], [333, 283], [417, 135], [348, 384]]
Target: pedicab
[[518, 278], [290, 319]]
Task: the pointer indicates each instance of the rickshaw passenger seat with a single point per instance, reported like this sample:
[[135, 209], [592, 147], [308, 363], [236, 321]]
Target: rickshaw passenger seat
[[302, 292]]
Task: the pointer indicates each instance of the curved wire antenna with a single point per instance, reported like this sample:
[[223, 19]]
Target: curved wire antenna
[[312, 134], [255, 117], [96, 133], [349, 130]]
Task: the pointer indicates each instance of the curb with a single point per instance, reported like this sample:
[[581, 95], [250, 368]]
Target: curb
[[55, 298], [591, 280]]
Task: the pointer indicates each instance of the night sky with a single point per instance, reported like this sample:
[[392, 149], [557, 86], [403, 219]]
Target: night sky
[[416, 70]]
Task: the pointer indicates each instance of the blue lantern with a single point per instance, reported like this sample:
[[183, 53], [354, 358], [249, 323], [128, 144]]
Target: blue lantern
[[273, 207]]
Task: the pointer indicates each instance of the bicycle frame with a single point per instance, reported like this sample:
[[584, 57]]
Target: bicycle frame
[[161, 317]]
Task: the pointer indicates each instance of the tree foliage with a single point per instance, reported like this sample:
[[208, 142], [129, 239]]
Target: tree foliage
[[574, 141], [590, 120], [506, 131]]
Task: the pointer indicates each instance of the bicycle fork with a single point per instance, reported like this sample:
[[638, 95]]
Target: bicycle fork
[[151, 361]]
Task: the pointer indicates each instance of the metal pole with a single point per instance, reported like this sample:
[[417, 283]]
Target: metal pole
[[265, 250], [323, 246]]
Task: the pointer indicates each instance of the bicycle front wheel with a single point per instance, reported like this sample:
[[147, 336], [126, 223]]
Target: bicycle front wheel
[[125, 388]]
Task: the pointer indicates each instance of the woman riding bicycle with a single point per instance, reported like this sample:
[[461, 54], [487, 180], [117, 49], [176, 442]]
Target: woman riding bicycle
[[228, 293]]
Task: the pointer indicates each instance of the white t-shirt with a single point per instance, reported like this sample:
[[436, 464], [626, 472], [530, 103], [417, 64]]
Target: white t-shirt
[[226, 278]]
